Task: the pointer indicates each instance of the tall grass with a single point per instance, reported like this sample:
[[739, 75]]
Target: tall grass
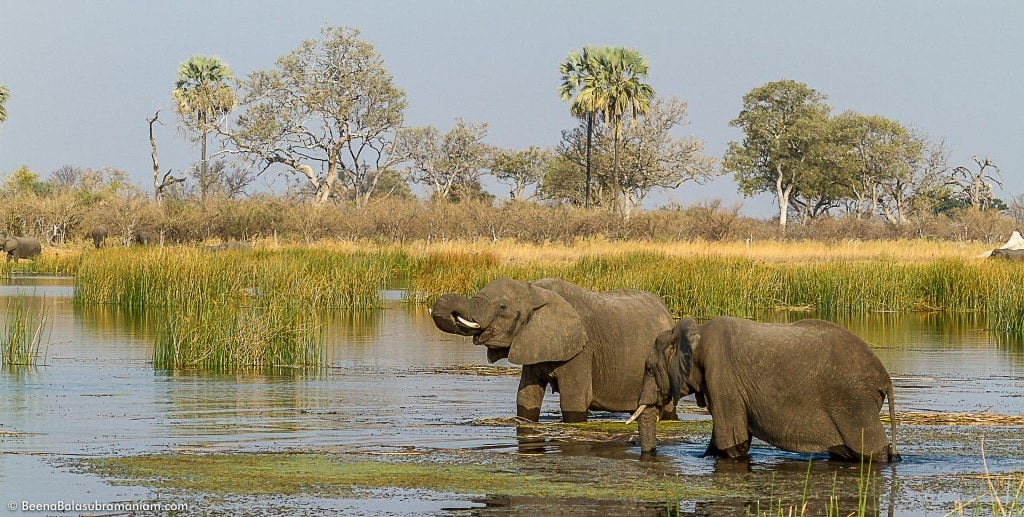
[[226, 337], [172, 277], [24, 332]]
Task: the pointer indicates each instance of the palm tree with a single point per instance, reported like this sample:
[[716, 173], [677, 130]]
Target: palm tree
[[201, 95], [4, 95], [620, 90], [578, 73]]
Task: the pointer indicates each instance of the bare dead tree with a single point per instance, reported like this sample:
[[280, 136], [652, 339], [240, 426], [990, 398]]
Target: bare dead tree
[[976, 186], [168, 180]]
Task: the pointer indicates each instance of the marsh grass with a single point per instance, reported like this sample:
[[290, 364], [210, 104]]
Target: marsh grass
[[227, 338], [25, 335]]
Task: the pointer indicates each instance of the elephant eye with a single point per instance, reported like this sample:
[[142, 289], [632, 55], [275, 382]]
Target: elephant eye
[[502, 307]]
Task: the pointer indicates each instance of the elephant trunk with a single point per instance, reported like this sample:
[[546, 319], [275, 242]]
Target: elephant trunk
[[646, 426], [456, 314]]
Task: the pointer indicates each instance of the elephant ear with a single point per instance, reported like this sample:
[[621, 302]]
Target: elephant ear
[[679, 369], [552, 331]]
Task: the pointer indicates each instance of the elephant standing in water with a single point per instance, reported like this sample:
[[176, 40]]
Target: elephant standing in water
[[21, 247], [809, 386], [98, 234], [588, 346]]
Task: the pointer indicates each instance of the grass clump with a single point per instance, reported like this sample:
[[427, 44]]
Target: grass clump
[[22, 341]]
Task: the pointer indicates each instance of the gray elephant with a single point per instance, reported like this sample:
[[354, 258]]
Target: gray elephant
[[98, 234], [588, 346], [809, 386], [1004, 254], [142, 238], [21, 247]]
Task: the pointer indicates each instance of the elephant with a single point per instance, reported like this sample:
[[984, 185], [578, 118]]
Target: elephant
[[233, 245], [808, 387], [588, 346], [21, 247], [142, 238], [1006, 254], [98, 234]]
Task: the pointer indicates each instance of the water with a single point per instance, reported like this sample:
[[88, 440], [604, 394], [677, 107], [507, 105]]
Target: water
[[97, 395]]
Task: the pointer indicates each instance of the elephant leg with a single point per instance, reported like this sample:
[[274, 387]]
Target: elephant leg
[[862, 441], [575, 389], [730, 433], [530, 395]]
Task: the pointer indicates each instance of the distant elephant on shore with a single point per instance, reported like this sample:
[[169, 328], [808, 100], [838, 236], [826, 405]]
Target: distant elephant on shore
[[233, 245], [1005, 254], [809, 387], [588, 346], [98, 234], [143, 238], [21, 247]]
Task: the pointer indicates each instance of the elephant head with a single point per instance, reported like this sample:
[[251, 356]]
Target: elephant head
[[668, 376], [515, 320]]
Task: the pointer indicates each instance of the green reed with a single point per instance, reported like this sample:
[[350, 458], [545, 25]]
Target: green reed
[[22, 341], [226, 337], [709, 286], [170, 277], [236, 309]]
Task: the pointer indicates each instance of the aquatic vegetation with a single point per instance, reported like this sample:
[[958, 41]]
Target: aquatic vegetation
[[24, 338], [224, 337]]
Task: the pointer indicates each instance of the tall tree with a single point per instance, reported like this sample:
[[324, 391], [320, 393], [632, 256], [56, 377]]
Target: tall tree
[[620, 91], [4, 95], [781, 122], [330, 103], [202, 96], [579, 72]]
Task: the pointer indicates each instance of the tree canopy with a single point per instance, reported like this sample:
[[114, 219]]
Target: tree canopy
[[329, 111], [202, 96]]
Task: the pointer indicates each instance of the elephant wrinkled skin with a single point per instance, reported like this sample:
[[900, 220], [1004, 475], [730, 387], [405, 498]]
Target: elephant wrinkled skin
[[809, 387], [21, 247], [588, 346]]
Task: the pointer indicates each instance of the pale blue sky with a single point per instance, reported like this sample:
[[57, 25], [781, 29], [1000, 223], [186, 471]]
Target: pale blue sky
[[85, 75]]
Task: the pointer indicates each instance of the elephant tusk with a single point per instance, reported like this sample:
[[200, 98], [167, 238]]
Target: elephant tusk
[[636, 413], [466, 323]]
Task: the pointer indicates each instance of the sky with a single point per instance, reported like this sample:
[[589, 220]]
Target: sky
[[85, 75]]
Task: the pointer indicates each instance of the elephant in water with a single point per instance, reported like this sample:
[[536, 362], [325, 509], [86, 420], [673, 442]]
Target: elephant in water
[[21, 247], [588, 346], [809, 386], [98, 234]]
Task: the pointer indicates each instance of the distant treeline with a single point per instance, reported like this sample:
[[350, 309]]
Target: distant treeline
[[64, 219]]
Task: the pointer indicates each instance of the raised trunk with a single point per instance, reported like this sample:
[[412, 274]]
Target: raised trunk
[[456, 314]]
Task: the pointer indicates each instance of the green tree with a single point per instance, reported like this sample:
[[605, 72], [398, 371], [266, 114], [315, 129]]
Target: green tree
[[620, 91], [4, 95], [579, 72], [202, 97], [781, 122], [451, 164], [520, 169], [330, 103]]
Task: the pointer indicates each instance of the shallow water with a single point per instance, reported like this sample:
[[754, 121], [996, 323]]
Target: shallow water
[[98, 395]]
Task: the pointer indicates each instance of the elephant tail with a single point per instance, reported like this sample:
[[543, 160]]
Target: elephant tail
[[893, 455]]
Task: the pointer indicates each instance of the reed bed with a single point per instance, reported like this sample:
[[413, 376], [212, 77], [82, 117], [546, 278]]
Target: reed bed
[[227, 338], [25, 334], [172, 277]]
